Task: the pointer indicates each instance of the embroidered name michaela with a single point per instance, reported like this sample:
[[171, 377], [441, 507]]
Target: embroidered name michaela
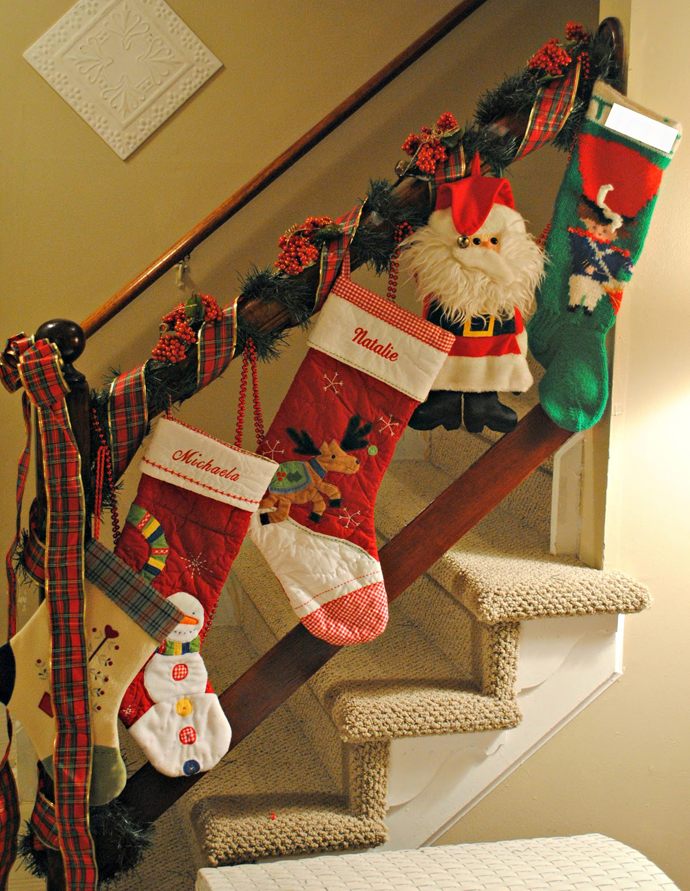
[[371, 343], [190, 457]]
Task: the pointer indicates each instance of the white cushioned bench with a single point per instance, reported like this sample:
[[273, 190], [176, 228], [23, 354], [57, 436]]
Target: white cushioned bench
[[576, 863]]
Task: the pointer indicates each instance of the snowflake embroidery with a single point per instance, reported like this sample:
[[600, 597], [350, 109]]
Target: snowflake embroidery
[[348, 519], [195, 564], [332, 383], [272, 450], [388, 425]]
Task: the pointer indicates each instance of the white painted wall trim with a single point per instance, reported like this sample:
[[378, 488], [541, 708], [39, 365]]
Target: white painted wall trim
[[434, 781]]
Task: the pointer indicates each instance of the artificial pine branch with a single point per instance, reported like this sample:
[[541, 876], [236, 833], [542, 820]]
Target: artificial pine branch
[[374, 241]]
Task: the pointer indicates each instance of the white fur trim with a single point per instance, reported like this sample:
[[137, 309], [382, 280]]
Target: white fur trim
[[187, 458], [313, 568], [459, 279], [479, 374]]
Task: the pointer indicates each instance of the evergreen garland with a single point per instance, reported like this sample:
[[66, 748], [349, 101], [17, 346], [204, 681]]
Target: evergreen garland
[[119, 840], [374, 241]]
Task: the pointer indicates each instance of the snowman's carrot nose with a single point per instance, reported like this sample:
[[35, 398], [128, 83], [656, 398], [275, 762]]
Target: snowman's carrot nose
[[189, 620]]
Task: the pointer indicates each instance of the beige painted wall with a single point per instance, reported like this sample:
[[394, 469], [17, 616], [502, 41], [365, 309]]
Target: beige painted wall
[[623, 766]]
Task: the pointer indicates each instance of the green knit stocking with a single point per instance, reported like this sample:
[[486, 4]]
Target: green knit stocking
[[600, 222]]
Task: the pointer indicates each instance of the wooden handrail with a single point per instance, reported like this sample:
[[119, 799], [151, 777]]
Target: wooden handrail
[[277, 167], [298, 656]]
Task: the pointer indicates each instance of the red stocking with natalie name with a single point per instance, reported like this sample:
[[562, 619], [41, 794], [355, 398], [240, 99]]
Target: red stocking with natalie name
[[370, 363]]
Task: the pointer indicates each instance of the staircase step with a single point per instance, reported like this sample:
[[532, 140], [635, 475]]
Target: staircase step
[[404, 683], [502, 570]]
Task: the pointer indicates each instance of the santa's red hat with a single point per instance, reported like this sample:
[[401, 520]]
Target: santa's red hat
[[472, 198]]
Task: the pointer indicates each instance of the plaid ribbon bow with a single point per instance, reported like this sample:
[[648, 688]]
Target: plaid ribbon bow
[[39, 368]]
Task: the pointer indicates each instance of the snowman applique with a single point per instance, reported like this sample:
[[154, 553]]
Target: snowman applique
[[185, 731]]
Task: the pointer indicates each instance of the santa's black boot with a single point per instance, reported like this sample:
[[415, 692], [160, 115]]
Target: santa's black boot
[[442, 407], [484, 410]]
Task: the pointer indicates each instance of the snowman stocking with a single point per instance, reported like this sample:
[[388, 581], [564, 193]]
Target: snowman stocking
[[600, 222], [123, 626], [369, 364], [186, 525]]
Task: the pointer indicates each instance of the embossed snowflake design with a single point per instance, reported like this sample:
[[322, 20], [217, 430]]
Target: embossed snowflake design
[[195, 564], [388, 425], [332, 383], [349, 520], [270, 451], [124, 65]]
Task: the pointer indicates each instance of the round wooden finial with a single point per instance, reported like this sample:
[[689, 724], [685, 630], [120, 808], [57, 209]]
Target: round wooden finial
[[66, 335]]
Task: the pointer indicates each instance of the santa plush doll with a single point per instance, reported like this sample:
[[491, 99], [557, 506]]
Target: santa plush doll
[[476, 269]]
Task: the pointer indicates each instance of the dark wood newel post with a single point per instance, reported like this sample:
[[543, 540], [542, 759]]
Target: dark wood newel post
[[70, 340]]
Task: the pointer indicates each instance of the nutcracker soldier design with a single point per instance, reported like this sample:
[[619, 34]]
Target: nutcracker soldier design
[[476, 269], [597, 263]]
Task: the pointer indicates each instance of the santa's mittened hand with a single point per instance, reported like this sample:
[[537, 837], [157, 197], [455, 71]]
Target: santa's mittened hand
[[602, 214]]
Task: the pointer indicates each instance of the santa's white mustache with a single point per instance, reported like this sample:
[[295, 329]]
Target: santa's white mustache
[[482, 259]]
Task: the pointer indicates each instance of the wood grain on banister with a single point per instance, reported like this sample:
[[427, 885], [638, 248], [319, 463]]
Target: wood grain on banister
[[277, 167], [297, 656]]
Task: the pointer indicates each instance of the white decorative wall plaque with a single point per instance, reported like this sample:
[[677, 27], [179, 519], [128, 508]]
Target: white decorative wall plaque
[[124, 65]]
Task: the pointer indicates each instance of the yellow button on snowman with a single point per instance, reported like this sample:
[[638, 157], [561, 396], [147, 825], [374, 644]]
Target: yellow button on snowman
[[185, 731]]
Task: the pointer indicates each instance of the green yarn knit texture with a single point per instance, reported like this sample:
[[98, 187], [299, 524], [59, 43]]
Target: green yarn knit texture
[[567, 333]]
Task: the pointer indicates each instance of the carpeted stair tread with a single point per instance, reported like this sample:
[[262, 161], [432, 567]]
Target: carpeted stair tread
[[402, 683], [237, 829], [277, 759], [502, 569], [418, 710]]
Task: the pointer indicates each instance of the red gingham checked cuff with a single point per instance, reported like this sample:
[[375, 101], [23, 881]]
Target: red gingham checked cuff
[[380, 338]]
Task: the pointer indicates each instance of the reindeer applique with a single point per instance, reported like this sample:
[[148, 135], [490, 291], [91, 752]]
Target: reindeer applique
[[301, 482]]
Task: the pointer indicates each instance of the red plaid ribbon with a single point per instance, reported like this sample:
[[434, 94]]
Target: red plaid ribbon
[[128, 417], [216, 346], [43, 821], [551, 109], [331, 260], [9, 361], [40, 369], [453, 167], [9, 799]]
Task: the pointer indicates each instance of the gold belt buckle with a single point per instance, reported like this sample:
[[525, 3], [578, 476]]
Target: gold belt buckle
[[484, 332]]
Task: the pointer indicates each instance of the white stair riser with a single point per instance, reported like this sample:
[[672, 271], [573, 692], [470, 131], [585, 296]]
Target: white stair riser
[[434, 781]]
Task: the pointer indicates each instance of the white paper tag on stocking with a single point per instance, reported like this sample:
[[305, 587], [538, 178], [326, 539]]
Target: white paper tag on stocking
[[638, 126]]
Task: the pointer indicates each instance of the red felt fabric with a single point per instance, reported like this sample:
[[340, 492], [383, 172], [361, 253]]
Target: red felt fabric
[[204, 537]]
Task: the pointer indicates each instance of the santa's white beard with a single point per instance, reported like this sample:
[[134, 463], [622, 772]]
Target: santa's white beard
[[448, 273]]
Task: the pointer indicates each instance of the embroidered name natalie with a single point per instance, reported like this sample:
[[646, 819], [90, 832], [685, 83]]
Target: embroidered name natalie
[[190, 457], [371, 343]]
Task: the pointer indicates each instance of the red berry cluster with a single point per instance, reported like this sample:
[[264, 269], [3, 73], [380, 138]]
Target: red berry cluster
[[576, 32], [426, 148], [297, 249], [552, 59], [177, 333]]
